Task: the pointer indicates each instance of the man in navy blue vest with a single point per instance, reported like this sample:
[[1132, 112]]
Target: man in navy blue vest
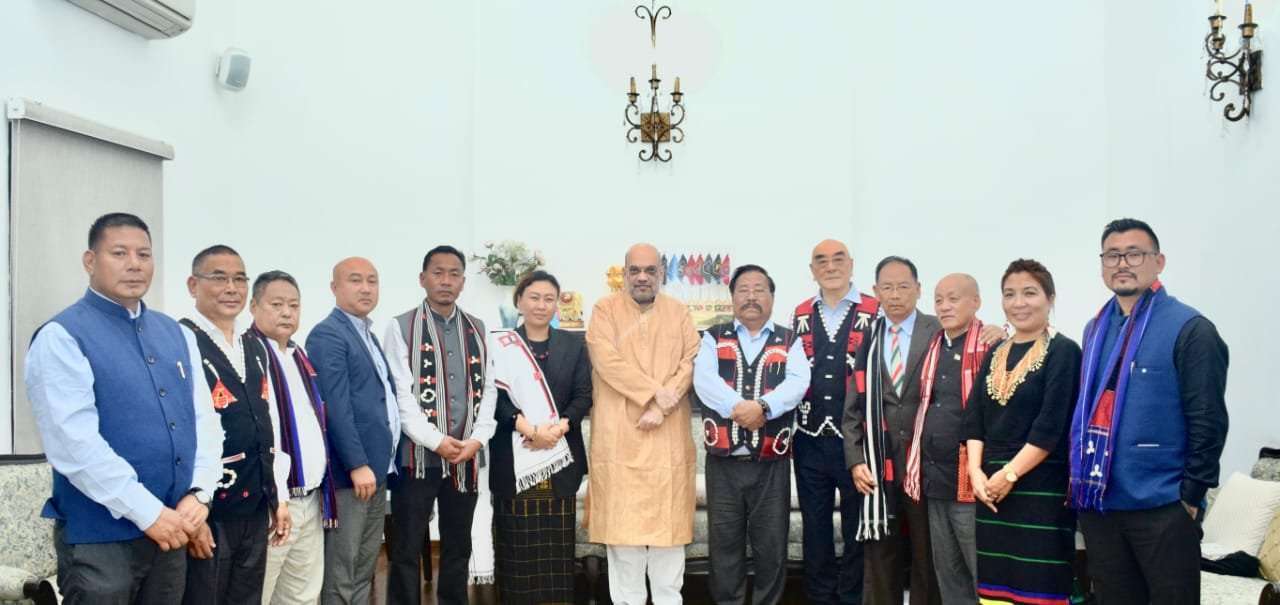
[[1148, 429], [831, 327], [364, 429], [128, 427]]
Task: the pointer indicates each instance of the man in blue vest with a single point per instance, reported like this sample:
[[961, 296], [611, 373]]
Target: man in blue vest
[[1148, 428], [127, 426]]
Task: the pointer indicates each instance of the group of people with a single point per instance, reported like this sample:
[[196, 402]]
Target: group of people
[[227, 463]]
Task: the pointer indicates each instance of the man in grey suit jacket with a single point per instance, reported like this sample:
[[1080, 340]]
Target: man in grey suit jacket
[[905, 342]]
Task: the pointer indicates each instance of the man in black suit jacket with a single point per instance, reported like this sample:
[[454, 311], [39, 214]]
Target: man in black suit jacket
[[906, 340], [363, 429]]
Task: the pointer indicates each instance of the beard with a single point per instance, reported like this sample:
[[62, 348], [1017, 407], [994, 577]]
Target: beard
[[644, 298], [1128, 291]]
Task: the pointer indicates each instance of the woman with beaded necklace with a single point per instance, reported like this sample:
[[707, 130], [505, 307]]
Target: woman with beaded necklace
[[1016, 425]]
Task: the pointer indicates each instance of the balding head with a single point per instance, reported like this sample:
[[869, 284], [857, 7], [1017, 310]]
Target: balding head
[[355, 286], [643, 251], [956, 302], [832, 266], [643, 273]]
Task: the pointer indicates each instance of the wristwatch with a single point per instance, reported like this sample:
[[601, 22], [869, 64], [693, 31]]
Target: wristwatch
[[201, 496], [764, 406], [1010, 475]]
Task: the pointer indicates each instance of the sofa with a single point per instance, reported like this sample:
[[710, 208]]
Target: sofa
[[27, 559], [1218, 589]]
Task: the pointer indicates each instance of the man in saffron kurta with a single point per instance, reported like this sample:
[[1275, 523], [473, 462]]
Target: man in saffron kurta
[[642, 346]]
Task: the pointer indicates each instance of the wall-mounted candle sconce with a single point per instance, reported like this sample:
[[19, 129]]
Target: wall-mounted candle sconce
[[655, 127], [1243, 68]]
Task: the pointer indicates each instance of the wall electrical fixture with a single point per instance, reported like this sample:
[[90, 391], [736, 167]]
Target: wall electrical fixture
[[652, 14], [655, 127], [1243, 68]]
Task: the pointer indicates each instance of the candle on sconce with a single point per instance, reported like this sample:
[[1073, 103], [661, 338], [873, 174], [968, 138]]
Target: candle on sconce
[[655, 71], [1248, 12], [677, 89], [633, 85], [1218, 7]]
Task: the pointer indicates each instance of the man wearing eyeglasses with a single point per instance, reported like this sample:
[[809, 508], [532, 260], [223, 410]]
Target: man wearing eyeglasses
[[228, 558], [1148, 428], [877, 457], [641, 497]]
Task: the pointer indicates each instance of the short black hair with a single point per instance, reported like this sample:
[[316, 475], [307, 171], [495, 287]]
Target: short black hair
[[886, 261], [733, 281], [115, 219], [1036, 270], [445, 249], [271, 277], [531, 278], [1121, 225], [213, 250]]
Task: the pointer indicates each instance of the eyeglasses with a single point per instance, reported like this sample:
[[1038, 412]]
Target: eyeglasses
[[894, 288], [221, 280], [1133, 258]]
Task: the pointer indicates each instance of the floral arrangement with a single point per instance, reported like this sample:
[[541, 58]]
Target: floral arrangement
[[507, 261]]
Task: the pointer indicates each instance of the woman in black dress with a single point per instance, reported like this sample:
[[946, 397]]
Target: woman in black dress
[[1016, 424], [534, 529]]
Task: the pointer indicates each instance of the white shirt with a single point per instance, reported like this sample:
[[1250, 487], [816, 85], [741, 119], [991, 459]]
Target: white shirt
[[310, 436], [414, 423]]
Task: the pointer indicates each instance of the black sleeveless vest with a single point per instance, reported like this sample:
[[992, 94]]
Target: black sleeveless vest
[[751, 378], [247, 486]]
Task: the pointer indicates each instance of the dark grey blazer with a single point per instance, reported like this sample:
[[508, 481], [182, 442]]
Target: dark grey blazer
[[899, 411]]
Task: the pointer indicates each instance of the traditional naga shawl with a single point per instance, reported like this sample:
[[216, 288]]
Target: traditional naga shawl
[[431, 388], [970, 363]]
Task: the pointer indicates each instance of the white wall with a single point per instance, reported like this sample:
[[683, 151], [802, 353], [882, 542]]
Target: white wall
[[353, 137], [1208, 187], [769, 139], [961, 138]]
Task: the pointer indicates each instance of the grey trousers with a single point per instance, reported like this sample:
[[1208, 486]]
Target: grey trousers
[[351, 550], [955, 553], [747, 499], [119, 573]]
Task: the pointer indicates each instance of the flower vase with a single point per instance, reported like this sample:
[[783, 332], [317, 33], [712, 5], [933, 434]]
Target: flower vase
[[507, 311]]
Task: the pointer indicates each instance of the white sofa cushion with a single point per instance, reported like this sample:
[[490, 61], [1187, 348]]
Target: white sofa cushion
[[1240, 515]]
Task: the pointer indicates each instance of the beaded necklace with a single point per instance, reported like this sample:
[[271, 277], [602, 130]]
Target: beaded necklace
[[1002, 382]]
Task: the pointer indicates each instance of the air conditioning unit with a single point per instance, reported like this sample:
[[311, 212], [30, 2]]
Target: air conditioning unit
[[153, 19]]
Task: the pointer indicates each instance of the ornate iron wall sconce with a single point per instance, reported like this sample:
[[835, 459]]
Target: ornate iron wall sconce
[[652, 14], [655, 127], [1242, 68]]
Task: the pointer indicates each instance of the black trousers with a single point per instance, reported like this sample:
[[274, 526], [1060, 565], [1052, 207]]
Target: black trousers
[[888, 558], [1143, 556], [235, 573], [411, 503], [747, 500], [135, 572], [820, 472]]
